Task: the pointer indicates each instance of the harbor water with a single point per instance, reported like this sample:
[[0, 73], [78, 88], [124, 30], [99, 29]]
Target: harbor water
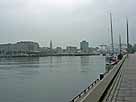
[[47, 79]]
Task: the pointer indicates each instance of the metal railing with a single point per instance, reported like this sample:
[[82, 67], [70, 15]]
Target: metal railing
[[85, 91], [112, 91]]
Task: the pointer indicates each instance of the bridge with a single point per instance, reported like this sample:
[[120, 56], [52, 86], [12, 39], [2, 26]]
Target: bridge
[[117, 85]]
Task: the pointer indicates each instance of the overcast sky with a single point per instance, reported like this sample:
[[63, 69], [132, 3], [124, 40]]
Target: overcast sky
[[66, 22]]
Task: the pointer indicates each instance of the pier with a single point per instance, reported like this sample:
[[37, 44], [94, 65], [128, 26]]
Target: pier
[[125, 88], [117, 85]]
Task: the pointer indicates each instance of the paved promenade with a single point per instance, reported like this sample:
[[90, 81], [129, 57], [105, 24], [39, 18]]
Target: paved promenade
[[118, 85], [126, 92]]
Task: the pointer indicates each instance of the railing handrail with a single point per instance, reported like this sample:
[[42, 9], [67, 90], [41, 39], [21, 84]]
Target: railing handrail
[[88, 88], [115, 81], [85, 91]]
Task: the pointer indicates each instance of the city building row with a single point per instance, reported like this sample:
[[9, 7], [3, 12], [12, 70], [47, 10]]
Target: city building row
[[29, 48]]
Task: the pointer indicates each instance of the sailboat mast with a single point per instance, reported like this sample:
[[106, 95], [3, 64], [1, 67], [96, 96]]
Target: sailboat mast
[[120, 43], [111, 34], [127, 36]]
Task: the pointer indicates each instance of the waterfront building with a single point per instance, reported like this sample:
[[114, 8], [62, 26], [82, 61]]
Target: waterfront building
[[71, 49], [59, 50], [84, 46], [6, 48], [92, 50], [44, 49], [19, 48], [27, 46]]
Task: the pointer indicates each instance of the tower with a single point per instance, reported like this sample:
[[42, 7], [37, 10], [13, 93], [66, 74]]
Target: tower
[[50, 44]]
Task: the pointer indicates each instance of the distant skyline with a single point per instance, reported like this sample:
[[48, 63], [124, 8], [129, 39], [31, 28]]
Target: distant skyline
[[50, 44], [66, 22]]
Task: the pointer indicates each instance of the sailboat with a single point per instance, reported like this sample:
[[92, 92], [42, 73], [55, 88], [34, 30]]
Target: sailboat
[[110, 58], [110, 55]]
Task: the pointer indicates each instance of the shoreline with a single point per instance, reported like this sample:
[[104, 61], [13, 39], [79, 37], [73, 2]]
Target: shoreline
[[8, 56]]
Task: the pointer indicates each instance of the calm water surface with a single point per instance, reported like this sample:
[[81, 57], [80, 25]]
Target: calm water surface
[[47, 79]]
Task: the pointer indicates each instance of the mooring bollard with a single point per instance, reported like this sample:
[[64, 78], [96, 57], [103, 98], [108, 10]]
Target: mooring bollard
[[101, 76]]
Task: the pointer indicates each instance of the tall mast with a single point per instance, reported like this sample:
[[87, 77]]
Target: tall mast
[[127, 36], [111, 34], [120, 43]]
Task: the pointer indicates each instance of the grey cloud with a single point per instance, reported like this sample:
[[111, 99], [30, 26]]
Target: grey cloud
[[30, 20]]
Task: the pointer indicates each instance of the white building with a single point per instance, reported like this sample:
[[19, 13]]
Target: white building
[[27, 46], [19, 47]]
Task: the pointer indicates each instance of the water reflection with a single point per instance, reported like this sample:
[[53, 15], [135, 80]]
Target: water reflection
[[84, 61], [54, 63], [20, 60], [22, 67], [50, 60], [59, 59], [40, 79], [51, 64]]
